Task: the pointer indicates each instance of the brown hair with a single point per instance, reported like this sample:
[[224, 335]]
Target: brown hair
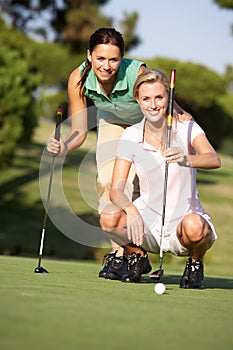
[[101, 36]]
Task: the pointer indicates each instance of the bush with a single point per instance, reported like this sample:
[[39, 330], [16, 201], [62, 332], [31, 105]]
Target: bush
[[17, 104]]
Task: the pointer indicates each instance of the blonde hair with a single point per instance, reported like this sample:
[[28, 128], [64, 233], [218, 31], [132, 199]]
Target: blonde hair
[[150, 76], [156, 76]]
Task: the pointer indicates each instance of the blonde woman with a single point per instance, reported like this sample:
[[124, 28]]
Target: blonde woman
[[188, 230]]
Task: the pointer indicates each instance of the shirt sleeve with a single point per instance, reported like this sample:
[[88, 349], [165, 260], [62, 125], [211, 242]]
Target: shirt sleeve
[[125, 149], [196, 130]]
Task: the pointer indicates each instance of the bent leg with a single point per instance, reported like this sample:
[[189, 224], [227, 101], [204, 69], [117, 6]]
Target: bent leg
[[195, 234], [135, 261], [108, 137], [113, 222]]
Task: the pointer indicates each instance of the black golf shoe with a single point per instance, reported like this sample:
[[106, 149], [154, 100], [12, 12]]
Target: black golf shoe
[[185, 277], [137, 265], [108, 258], [193, 275], [117, 269]]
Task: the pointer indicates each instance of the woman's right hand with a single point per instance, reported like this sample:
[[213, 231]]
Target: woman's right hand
[[56, 147], [135, 225]]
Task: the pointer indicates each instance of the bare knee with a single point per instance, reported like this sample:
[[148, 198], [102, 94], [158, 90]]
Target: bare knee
[[193, 229], [108, 221], [110, 218]]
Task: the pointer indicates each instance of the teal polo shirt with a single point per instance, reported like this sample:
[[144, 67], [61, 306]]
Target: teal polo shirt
[[121, 106]]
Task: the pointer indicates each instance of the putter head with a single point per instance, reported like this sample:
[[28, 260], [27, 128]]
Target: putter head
[[40, 269], [156, 275]]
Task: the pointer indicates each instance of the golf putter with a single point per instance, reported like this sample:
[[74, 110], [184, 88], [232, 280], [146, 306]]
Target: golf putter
[[39, 268], [158, 274]]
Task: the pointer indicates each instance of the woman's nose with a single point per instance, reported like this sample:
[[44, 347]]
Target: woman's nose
[[106, 65], [152, 103]]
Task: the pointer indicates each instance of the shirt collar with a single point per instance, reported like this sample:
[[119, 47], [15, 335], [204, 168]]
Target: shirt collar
[[141, 139], [141, 130]]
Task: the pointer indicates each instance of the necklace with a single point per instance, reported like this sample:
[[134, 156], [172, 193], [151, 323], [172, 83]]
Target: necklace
[[154, 136], [154, 131]]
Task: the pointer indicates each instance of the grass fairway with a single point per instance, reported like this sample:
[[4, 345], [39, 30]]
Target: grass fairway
[[70, 308]]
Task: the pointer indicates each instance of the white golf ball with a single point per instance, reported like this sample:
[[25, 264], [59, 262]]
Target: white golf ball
[[160, 288]]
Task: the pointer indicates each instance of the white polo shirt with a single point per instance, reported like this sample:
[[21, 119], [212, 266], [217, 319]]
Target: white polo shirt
[[182, 194]]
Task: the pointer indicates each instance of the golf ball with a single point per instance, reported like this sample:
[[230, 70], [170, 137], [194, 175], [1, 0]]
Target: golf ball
[[160, 288]]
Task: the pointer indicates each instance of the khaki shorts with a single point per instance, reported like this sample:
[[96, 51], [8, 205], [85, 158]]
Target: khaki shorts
[[107, 142], [171, 244]]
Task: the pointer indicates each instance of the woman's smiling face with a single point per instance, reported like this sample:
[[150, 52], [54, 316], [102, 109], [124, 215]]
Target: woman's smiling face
[[153, 100], [105, 60]]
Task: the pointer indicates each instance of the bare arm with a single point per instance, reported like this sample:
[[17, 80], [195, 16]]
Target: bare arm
[[135, 225], [119, 179], [78, 112], [205, 158]]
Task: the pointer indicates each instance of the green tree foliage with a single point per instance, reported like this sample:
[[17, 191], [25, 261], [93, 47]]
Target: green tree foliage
[[18, 81], [71, 21], [27, 65], [226, 146], [75, 22], [225, 4], [128, 24], [204, 94], [228, 4], [54, 62]]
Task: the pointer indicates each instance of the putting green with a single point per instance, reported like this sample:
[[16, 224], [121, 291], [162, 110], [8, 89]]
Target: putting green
[[71, 308]]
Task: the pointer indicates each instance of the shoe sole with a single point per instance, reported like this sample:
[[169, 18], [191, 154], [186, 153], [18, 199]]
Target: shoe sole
[[112, 276], [102, 275], [129, 280]]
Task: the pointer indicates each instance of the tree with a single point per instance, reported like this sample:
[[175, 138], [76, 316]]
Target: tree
[[70, 21], [204, 94], [128, 24], [18, 82], [227, 4]]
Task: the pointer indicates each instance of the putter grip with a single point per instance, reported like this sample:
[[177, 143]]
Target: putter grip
[[171, 96], [58, 122]]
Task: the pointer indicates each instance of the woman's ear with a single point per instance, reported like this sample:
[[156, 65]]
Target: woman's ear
[[88, 55]]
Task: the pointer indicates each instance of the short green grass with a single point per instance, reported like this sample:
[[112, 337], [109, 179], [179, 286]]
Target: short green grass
[[22, 210], [71, 308]]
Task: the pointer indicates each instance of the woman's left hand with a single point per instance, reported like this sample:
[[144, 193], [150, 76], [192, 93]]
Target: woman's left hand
[[174, 155], [182, 115], [185, 116]]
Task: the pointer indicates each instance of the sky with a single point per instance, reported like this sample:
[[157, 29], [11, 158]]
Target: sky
[[197, 31]]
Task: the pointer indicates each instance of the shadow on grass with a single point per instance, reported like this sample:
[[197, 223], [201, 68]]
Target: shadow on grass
[[30, 163], [22, 214], [208, 283], [21, 234], [208, 177]]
